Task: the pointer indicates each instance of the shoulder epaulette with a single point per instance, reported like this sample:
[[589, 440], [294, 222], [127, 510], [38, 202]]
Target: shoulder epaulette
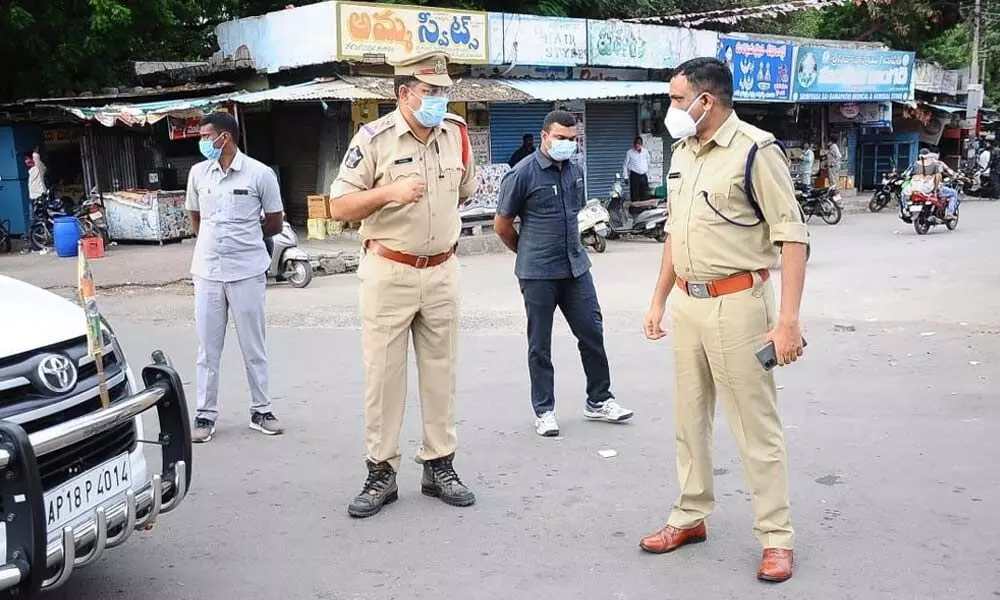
[[378, 126]]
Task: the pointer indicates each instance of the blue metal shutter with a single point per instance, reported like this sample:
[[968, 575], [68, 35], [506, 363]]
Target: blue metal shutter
[[610, 130], [509, 123]]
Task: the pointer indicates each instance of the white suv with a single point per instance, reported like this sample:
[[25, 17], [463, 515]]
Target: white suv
[[73, 478]]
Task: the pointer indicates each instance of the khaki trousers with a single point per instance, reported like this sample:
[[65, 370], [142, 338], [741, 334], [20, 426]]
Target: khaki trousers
[[398, 299], [715, 341]]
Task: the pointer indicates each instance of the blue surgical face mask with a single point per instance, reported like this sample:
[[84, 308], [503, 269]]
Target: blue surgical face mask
[[562, 149], [432, 110], [208, 149]]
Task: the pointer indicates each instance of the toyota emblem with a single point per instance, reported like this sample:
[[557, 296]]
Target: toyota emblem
[[57, 373]]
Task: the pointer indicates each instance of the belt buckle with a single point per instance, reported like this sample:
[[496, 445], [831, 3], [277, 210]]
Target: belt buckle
[[698, 290], [422, 262]]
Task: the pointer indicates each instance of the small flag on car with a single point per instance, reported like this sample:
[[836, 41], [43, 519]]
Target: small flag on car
[[95, 341]]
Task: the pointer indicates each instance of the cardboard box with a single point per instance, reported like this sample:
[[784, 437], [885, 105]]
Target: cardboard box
[[316, 229], [319, 207], [334, 227]]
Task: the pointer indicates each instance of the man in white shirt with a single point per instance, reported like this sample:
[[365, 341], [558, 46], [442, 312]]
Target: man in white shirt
[[36, 175], [225, 196], [636, 168], [808, 159]]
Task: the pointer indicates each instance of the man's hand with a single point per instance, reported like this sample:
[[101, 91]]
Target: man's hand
[[787, 338], [406, 191], [653, 327]]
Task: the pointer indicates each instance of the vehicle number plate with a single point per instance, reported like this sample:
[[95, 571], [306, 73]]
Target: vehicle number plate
[[602, 230], [96, 215], [84, 493], [915, 208]]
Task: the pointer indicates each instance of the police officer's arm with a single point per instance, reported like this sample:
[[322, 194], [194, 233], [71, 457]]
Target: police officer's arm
[[509, 204], [270, 200], [772, 185], [192, 204], [469, 182], [353, 195]]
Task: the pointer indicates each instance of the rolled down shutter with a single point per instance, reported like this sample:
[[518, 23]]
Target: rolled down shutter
[[509, 123], [611, 129], [296, 153]]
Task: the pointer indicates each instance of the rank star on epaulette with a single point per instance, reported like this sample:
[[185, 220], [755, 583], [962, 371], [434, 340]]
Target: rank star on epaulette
[[353, 158]]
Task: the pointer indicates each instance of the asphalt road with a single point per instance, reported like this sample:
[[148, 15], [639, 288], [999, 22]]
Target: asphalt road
[[890, 419]]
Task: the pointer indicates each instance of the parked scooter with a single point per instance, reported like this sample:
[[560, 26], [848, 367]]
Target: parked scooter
[[289, 262], [980, 184], [592, 220], [646, 218]]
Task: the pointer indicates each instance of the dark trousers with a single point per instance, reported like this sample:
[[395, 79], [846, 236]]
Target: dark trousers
[[577, 299], [269, 245], [638, 186]]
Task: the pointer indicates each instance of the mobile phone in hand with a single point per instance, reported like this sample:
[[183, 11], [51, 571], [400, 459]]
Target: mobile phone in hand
[[768, 357]]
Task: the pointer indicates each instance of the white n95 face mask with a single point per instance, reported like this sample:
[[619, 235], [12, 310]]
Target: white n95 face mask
[[680, 123]]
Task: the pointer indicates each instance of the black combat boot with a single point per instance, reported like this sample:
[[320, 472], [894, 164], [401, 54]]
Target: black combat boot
[[441, 481], [380, 489]]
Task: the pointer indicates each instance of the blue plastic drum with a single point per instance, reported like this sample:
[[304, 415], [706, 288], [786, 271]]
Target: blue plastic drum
[[66, 236]]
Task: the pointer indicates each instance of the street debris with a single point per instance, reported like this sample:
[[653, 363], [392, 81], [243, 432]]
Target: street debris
[[844, 327], [607, 453], [928, 333]]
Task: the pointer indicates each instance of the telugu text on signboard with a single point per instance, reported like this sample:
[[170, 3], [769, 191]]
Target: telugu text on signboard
[[397, 32], [849, 75], [618, 44]]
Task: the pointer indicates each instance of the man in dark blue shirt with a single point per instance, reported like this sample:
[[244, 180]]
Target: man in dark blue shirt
[[546, 192]]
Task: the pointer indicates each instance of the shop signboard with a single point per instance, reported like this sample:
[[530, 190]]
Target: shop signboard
[[877, 115], [762, 70], [533, 40], [618, 44], [393, 33], [852, 75]]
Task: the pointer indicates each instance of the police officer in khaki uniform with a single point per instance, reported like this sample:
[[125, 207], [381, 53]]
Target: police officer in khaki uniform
[[716, 261], [404, 177]]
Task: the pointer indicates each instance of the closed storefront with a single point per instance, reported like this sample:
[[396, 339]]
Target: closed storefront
[[611, 129], [296, 151], [509, 123], [880, 154]]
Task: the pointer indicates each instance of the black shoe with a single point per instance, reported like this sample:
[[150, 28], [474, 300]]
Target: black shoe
[[380, 489], [441, 481]]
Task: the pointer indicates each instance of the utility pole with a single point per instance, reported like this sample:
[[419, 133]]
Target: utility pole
[[977, 19]]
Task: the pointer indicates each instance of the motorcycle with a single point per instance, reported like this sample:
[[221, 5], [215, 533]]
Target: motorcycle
[[592, 222], [925, 210], [642, 218], [979, 182], [5, 244], [289, 262], [890, 188], [93, 223], [822, 202], [44, 211]]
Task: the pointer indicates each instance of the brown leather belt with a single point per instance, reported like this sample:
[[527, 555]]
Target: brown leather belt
[[721, 287], [417, 262]]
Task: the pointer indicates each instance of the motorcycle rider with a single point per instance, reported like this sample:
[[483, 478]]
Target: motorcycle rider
[[927, 173]]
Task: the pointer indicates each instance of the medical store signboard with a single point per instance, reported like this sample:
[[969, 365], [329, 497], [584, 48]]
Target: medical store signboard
[[851, 75], [762, 70]]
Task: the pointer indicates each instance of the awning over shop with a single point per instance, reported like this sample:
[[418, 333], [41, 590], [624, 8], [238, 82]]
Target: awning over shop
[[318, 89], [945, 108], [572, 89], [145, 113]]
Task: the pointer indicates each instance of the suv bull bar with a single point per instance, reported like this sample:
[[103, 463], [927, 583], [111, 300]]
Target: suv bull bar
[[26, 555]]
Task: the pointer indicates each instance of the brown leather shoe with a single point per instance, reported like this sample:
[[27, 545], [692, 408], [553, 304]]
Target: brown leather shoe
[[775, 565], [671, 538]]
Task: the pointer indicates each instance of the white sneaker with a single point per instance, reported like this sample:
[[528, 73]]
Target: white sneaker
[[609, 411], [546, 425]]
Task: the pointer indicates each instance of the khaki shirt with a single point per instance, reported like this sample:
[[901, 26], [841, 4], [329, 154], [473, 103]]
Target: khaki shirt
[[705, 246], [385, 151]]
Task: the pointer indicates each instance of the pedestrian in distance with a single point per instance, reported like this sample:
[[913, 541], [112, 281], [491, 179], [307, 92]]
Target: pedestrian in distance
[[636, 169], [226, 194], [723, 238], [404, 177], [546, 191]]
